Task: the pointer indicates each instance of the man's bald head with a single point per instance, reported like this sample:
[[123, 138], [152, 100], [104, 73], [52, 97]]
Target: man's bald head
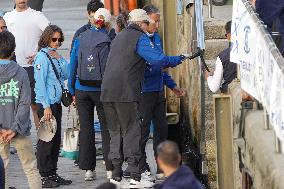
[[168, 153]]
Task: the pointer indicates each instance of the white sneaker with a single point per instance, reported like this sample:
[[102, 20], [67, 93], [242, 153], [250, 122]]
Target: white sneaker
[[89, 175], [147, 176], [109, 174], [146, 183], [115, 182], [134, 183]]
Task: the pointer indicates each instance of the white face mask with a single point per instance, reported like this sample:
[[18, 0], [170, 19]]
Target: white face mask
[[150, 34]]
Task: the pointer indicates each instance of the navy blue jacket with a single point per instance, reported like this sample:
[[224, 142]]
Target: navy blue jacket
[[155, 77], [183, 178]]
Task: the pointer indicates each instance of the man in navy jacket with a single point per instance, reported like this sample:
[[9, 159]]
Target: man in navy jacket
[[177, 176]]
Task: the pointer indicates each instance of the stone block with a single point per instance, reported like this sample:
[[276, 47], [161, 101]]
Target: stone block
[[213, 47], [211, 150], [210, 131], [214, 29]]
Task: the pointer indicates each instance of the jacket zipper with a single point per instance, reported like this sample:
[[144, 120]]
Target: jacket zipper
[[54, 91]]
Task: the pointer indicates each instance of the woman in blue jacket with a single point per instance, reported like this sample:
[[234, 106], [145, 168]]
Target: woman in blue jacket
[[48, 98]]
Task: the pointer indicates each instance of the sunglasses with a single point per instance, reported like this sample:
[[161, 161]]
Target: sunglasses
[[60, 40], [3, 27]]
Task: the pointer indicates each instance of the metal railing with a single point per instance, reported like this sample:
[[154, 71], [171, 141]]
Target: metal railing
[[199, 32]]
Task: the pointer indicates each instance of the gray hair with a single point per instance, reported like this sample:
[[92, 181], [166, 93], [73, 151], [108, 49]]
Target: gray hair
[[168, 152], [136, 22], [151, 9]]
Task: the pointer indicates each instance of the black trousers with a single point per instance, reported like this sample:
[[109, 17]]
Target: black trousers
[[86, 101], [48, 152], [152, 107], [124, 123]]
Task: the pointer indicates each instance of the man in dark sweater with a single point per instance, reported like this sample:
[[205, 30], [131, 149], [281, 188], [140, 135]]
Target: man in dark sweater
[[177, 177], [121, 92], [225, 70]]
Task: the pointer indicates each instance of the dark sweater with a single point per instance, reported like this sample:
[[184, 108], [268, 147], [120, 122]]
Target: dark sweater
[[124, 70], [183, 178]]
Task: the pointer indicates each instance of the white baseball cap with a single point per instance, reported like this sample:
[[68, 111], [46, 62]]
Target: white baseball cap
[[103, 12], [47, 129], [138, 15]]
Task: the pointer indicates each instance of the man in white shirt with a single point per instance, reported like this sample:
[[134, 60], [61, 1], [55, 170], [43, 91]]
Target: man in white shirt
[[225, 71], [27, 26]]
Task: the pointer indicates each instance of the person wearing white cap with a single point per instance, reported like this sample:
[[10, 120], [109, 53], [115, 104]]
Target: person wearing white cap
[[87, 64], [92, 7], [121, 93]]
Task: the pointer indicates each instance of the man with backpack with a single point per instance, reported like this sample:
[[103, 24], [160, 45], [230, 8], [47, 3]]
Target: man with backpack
[[87, 65]]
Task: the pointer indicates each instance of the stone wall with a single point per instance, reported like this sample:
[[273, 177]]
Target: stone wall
[[258, 147]]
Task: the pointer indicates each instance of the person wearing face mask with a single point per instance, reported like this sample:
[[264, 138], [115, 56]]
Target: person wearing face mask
[[87, 64], [50, 71], [92, 7], [153, 103]]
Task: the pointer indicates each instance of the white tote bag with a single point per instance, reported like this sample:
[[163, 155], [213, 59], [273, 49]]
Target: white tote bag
[[71, 139]]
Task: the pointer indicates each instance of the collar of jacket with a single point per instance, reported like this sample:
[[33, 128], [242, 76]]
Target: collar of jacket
[[46, 49], [135, 27]]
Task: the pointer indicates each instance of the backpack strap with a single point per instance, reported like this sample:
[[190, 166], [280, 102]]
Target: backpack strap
[[53, 67]]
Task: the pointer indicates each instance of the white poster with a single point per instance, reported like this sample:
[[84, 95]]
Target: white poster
[[260, 74]]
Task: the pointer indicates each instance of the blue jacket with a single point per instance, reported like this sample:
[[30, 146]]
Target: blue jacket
[[155, 77], [73, 81], [153, 54], [183, 178], [47, 88]]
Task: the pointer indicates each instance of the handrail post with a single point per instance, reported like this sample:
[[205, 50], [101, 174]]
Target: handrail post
[[210, 15]]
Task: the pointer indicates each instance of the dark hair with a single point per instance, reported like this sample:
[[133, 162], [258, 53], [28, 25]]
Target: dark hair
[[168, 152], [47, 34], [7, 44], [121, 20], [94, 5], [107, 185], [228, 27], [1, 18], [151, 9]]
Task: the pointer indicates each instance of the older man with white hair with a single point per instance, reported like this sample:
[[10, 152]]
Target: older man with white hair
[[121, 93]]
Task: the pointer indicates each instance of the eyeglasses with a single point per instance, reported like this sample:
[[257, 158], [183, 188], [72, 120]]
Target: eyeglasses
[[60, 40], [3, 27]]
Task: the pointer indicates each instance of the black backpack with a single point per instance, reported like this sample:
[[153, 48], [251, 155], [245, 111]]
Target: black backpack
[[92, 57]]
